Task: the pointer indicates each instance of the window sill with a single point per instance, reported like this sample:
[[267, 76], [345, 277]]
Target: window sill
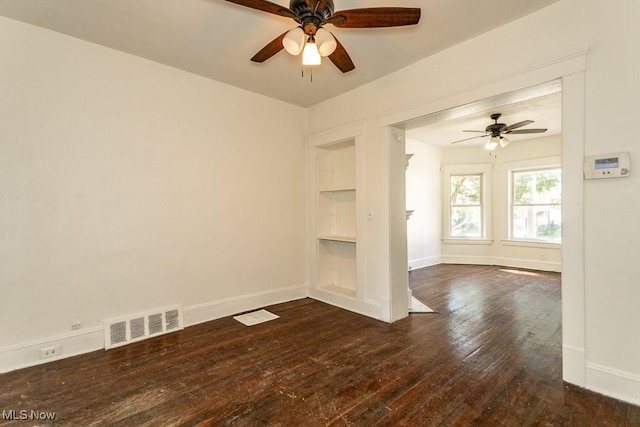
[[463, 241], [532, 244]]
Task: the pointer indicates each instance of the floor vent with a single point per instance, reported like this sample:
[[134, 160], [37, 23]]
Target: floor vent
[[136, 327]]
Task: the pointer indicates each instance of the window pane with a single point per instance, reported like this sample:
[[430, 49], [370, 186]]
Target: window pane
[[537, 222], [537, 187], [466, 222], [465, 190]]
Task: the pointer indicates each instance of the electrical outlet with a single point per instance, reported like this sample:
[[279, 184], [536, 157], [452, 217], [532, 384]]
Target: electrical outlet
[[47, 352], [75, 326]]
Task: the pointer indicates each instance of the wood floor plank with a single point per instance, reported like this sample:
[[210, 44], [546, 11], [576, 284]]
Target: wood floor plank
[[491, 355]]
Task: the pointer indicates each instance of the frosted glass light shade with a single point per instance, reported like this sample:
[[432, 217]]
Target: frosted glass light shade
[[326, 42], [504, 142], [310, 55], [492, 144], [293, 42]]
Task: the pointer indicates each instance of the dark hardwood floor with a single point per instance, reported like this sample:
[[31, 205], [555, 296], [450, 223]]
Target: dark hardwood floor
[[490, 356]]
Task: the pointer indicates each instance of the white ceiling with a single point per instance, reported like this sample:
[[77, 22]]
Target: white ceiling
[[215, 38], [542, 104]]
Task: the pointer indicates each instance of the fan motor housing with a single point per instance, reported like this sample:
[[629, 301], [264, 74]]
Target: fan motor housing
[[496, 127], [302, 10]]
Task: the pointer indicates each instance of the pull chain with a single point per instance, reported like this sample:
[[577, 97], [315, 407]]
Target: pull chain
[[310, 74]]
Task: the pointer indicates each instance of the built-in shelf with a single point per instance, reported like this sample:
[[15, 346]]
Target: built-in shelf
[[336, 190], [348, 239], [336, 218]]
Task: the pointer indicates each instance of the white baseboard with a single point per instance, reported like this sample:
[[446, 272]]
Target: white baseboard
[[87, 340], [614, 383], [506, 262], [424, 262], [369, 309], [529, 264], [475, 260], [573, 365], [201, 313], [71, 344]]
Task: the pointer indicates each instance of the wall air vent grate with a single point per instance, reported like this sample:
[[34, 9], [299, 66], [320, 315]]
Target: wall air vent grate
[[118, 332], [172, 319], [136, 327], [155, 324]]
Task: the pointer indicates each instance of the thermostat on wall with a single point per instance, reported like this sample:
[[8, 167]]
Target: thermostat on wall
[[614, 165]]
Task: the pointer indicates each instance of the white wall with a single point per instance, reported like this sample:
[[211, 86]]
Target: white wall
[[549, 45], [500, 252], [447, 79], [126, 185], [612, 237], [123, 177], [424, 231]]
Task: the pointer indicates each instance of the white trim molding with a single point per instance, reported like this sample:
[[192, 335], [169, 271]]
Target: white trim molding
[[71, 344], [503, 262], [485, 171], [367, 307], [206, 312], [573, 365], [613, 382], [86, 340], [424, 262], [466, 241]]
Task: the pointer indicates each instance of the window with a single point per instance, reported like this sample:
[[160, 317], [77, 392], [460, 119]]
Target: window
[[536, 210], [466, 206], [466, 203]]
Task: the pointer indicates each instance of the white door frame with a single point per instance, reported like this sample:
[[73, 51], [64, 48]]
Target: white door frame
[[571, 71]]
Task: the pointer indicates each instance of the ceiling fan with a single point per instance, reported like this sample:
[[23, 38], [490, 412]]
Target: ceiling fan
[[312, 40], [496, 130]]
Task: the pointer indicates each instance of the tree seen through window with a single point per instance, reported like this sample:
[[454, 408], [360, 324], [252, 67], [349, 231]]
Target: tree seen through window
[[536, 205], [466, 206]]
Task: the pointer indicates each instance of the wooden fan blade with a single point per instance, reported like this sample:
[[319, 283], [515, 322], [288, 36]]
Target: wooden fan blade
[[265, 6], [517, 125], [271, 49], [477, 131], [514, 132], [341, 58], [467, 139], [375, 17]]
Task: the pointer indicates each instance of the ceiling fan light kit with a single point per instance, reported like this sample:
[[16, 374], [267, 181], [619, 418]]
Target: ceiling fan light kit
[[312, 47], [492, 144], [311, 55], [326, 42], [294, 41], [496, 130], [312, 15]]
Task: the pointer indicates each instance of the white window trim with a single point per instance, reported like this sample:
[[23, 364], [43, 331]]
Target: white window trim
[[466, 241], [522, 166], [532, 244], [485, 204]]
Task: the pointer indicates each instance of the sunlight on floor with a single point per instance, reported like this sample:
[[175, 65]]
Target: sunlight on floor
[[521, 272]]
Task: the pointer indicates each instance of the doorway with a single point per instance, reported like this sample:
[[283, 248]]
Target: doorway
[[572, 84], [485, 228]]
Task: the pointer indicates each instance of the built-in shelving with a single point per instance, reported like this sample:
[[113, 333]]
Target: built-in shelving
[[336, 218]]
